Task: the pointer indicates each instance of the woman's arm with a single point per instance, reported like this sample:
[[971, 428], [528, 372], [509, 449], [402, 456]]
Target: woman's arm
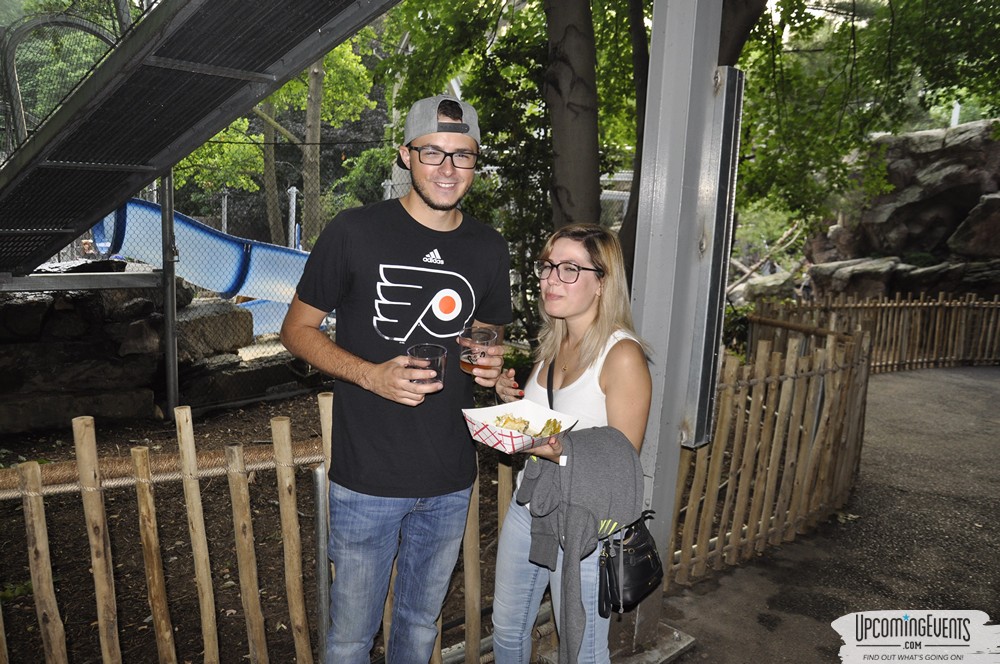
[[628, 389]]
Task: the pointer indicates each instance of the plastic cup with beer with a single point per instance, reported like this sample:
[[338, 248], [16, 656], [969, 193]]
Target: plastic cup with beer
[[474, 341]]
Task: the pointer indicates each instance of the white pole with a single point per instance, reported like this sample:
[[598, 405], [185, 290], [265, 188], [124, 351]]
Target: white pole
[[292, 196]]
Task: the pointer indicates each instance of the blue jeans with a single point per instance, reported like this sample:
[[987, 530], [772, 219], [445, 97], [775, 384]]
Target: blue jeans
[[518, 591], [366, 532]]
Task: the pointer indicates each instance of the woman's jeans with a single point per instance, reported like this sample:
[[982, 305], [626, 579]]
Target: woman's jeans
[[518, 592], [365, 534]]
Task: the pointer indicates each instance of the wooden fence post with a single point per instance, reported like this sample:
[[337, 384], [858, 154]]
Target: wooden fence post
[[787, 494], [732, 510], [281, 434], [755, 461], [49, 622], [239, 496], [150, 538], [196, 527], [3, 639], [720, 441], [779, 447], [97, 533], [473, 578], [729, 409]]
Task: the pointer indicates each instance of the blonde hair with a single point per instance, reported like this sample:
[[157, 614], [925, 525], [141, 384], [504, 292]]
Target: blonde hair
[[614, 311]]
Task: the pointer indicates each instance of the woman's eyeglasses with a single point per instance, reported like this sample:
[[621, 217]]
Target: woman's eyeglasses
[[568, 273]]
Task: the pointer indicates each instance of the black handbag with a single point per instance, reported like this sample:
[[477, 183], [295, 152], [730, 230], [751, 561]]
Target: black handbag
[[630, 568]]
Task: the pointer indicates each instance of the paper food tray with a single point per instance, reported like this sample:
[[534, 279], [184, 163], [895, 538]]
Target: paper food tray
[[481, 425]]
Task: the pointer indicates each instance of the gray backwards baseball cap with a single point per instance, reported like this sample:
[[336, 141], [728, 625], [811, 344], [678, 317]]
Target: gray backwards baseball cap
[[423, 119]]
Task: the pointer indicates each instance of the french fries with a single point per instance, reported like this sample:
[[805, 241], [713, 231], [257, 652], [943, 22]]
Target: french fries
[[519, 424]]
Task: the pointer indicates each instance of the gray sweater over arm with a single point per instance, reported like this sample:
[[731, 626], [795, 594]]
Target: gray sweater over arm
[[597, 492]]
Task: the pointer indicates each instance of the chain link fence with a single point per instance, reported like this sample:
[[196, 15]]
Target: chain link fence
[[239, 258]]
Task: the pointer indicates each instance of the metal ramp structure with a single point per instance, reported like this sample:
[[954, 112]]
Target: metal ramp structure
[[179, 75]]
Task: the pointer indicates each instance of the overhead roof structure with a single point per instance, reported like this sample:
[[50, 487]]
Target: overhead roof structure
[[181, 74]]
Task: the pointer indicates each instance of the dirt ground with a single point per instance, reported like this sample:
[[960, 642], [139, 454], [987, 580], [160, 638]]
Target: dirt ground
[[70, 552]]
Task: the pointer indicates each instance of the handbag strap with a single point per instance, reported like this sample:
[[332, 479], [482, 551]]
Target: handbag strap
[[604, 592], [551, 375]]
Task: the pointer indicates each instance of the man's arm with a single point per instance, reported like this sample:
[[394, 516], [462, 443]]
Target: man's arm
[[302, 337]]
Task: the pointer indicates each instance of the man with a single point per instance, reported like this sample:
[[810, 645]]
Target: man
[[400, 272]]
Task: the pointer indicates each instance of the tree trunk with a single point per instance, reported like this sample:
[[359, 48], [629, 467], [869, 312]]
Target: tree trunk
[[640, 68], [311, 213], [274, 222], [571, 95], [738, 19]]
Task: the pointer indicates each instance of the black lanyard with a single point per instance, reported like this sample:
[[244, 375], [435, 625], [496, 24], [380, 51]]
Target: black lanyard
[[552, 370]]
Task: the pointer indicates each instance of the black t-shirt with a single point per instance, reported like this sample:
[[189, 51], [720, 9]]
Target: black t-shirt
[[393, 283]]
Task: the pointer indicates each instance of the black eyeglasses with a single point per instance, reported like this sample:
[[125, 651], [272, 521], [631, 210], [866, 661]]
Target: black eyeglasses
[[432, 156], [568, 273]]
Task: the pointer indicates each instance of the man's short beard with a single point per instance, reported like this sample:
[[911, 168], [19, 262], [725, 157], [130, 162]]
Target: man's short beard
[[427, 199]]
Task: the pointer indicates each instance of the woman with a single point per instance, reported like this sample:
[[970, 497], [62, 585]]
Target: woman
[[600, 377]]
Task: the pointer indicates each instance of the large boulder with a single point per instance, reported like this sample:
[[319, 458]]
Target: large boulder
[[978, 236], [872, 278], [940, 224], [100, 352], [780, 285], [210, 326], [943, 201]]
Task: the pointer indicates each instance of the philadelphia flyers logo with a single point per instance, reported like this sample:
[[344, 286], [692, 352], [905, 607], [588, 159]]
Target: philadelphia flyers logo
[[438, 301]]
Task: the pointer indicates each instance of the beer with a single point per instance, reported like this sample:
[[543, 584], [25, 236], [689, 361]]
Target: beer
[[467, 360], [474, 341]]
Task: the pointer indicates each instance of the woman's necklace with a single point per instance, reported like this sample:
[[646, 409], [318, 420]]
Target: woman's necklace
[[566, 363]]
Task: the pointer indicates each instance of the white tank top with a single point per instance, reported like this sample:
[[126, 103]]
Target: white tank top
[[583, 398]]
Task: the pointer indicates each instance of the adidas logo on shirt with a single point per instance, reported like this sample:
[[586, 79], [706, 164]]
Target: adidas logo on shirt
[[433, 257]]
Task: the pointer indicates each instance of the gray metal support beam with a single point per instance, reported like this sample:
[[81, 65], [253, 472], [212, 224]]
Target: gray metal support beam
[[678, 212], [169, 250], [80, 281]]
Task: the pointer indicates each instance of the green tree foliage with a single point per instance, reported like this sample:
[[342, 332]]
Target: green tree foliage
[[55, 44], [232, 160], [822, 78], [952, 46], [347, 82], [362, 184], [335, 90], [499, 51], [519, 153], [50, 61]]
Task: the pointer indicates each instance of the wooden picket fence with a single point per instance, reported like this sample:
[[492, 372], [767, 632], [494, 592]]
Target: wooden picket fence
[[917, 332], [790, 422], [783, 455], [92, 477]]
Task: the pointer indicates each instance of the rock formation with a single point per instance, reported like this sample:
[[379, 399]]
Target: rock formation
[[100, 353], [937, 231]]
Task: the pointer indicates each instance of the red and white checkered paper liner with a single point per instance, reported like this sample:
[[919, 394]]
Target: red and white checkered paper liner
[[482, 427]]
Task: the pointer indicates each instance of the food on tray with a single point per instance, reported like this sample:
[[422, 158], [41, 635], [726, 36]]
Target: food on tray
[[519, 424], [551, 428], [508, 421]]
